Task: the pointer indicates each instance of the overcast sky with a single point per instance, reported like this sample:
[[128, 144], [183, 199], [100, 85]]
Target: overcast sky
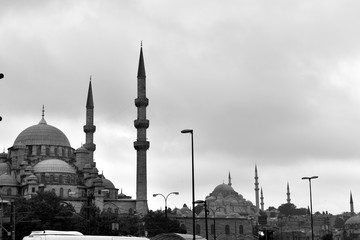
[[269, 83]]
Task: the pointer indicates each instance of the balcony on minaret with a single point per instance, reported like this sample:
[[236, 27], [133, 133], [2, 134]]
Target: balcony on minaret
[[141, 145], [141, 102], [90, 146], [141, 123], [89, 128]]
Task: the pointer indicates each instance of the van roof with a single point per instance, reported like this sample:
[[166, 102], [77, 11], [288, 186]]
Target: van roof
[[53, 232]]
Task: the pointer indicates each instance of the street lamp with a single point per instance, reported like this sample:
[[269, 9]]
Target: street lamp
[[311, 215], [192, 175], [165, 198], [206, 212], [1, 76]]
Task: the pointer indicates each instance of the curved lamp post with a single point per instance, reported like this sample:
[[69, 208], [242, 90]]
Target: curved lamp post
[[165, 198], [192, 175], [311, 215]]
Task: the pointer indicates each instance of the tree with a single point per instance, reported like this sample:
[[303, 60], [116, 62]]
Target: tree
[[43, 211], [156, 223], [287, 209]]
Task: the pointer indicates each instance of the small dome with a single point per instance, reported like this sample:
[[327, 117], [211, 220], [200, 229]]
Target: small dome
[[53, 165], [42, 134], [108, 184], [353, 220], [81, 149], [8, 180], [32, 178]]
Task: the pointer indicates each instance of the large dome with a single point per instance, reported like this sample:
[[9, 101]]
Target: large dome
[[224, 189], [42, 134], [54, 166]]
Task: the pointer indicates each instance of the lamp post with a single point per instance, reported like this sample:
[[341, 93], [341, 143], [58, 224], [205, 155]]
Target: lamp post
[[192, 175], [1, 76], [311, 215], [206, 212], [165, 198]]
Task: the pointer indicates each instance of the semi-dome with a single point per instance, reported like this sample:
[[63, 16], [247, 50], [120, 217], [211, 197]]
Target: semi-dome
[[53, 165], [42, 134], [8, 180]]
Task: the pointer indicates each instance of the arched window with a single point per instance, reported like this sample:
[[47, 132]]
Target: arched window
[[53, 190], [241, 229], [183, 227], [198, 229], [51, 178], [116, 211], [69, 191], [8, 191], [212, 229], [60, 179], [42, 178], [61, 192], [227, 229], [109, 209]]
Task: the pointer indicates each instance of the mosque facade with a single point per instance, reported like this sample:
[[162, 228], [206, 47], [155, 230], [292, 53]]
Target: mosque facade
[[230, 215], [42, 159]]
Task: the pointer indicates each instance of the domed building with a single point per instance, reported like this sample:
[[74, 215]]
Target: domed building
[[229, 215], [42, 159], [352, 227]]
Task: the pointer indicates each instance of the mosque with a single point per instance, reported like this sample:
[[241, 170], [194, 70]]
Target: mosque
[[42, 159]]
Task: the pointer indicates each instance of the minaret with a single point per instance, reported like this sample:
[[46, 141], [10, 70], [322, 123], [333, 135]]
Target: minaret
[[141, 144], [229, 180], [256, 190], [288, 194], [89, 128], [262, 200], [351, 204]]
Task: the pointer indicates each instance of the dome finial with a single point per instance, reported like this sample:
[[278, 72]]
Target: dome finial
[[42, 121]]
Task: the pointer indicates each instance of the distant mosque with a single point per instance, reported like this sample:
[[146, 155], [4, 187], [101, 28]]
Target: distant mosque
[[42, 159]]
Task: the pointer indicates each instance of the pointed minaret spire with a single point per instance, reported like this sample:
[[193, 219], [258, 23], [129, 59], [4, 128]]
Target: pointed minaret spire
[[288, 194], [351, 204], [141, 67], [262, 200], [42, 121], [141, 144], [89, 128], [229, 180], [256, 189]]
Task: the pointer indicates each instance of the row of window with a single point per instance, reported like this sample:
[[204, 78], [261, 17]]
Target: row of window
[[60, 179], [227, 229], [45, 150]]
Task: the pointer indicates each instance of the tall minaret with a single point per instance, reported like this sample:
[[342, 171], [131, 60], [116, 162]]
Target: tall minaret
[[351, 204], [262, 200], [89, 128], [256, 190], [141, 144], [288, 194], [229, 180]]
